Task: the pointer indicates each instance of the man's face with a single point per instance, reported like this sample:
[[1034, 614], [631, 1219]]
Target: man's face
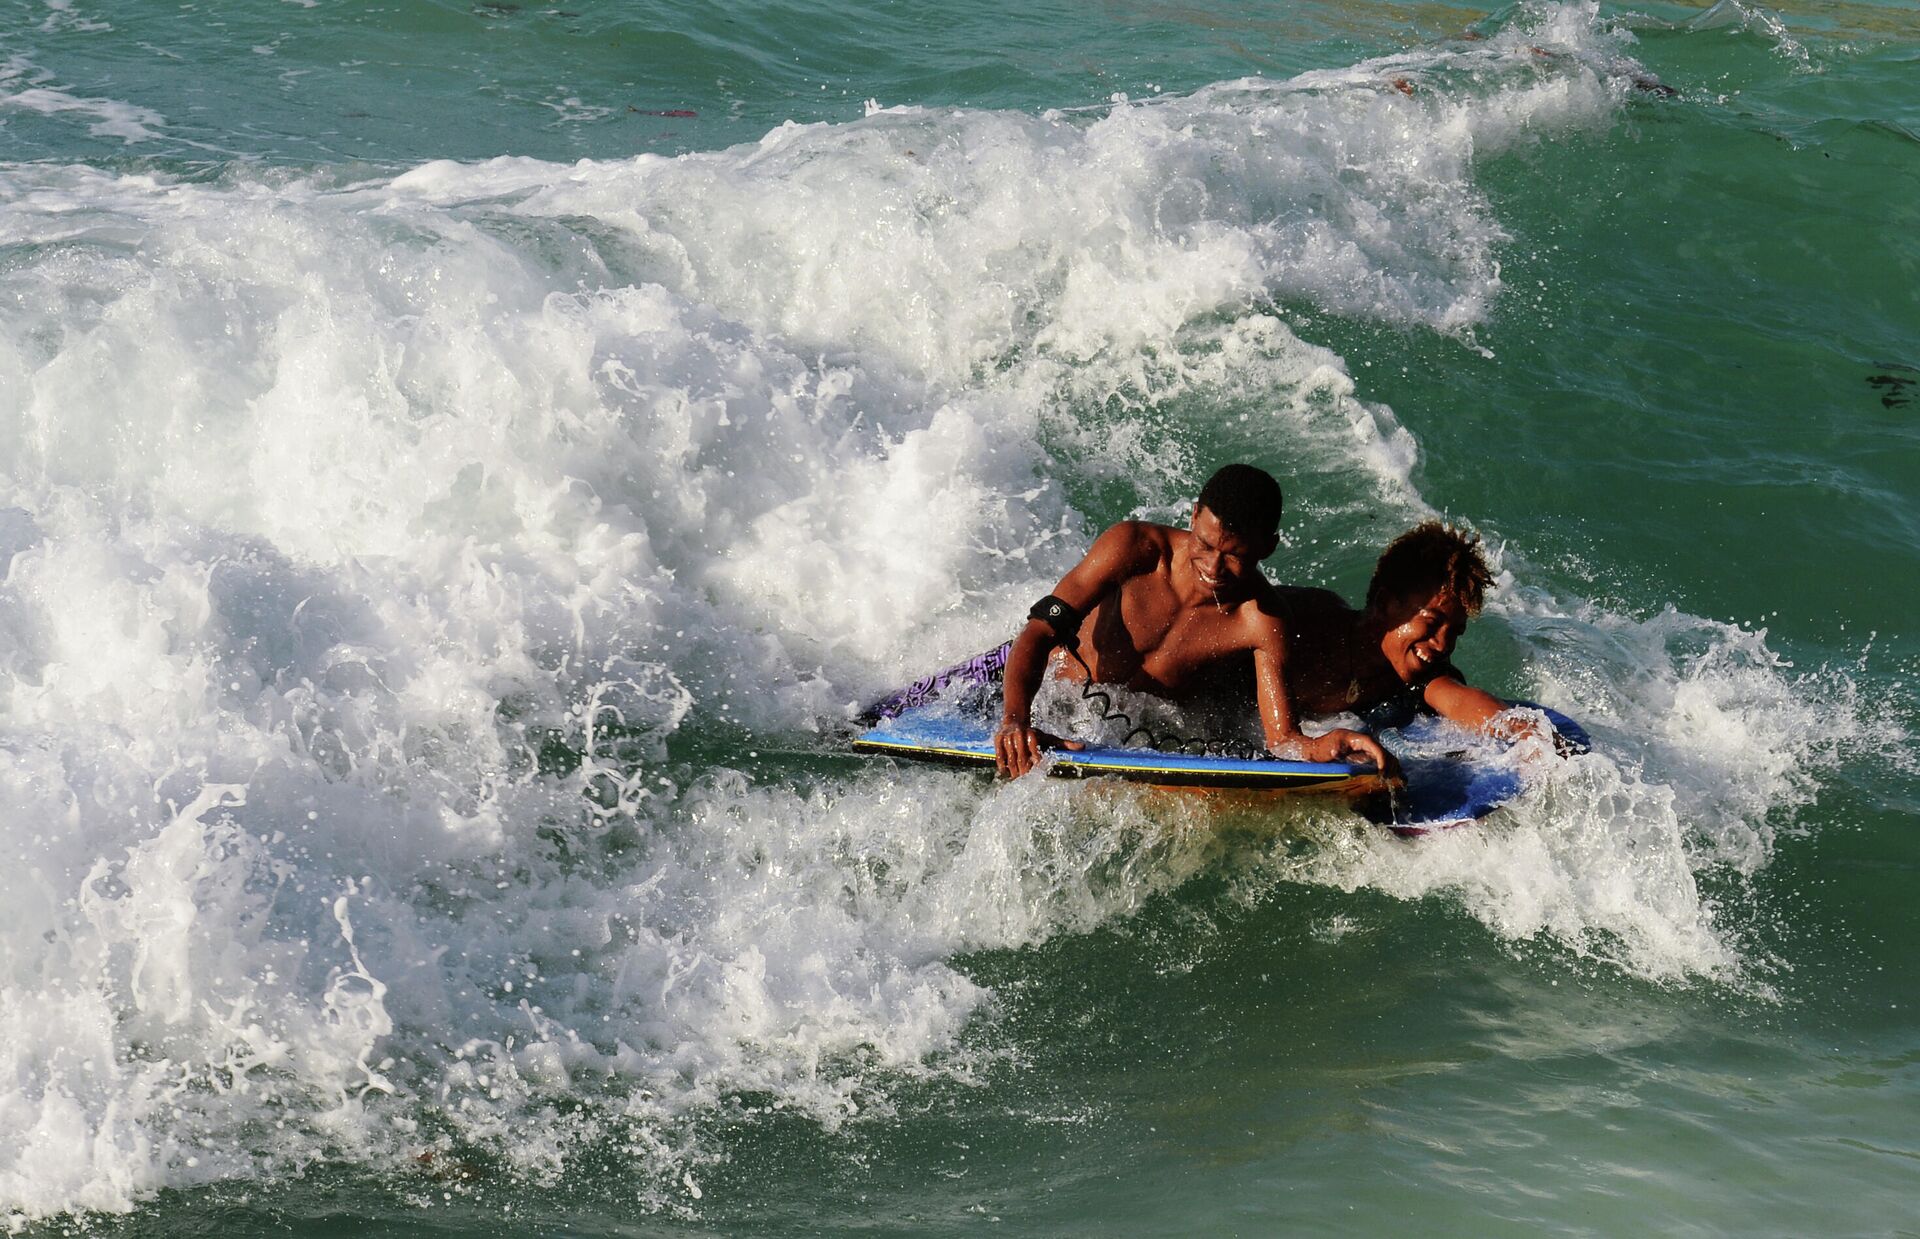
[[1224, 561], [1425, 641]]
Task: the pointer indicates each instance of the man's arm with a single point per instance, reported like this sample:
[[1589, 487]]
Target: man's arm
[[1284, 737], [1115, 555]]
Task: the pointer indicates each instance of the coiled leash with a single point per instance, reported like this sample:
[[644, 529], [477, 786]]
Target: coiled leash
[[1065, 620]]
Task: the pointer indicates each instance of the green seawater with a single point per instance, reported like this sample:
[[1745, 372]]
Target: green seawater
[[1688, 418]]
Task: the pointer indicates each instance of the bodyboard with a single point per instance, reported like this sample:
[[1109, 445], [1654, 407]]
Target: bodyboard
[[1452, 777], [938, 735]]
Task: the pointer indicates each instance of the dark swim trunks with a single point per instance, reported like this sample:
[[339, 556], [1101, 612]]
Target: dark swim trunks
[[987, 668]]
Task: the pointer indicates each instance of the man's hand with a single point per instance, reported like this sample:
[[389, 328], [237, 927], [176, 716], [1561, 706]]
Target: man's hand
[[1017, 747], [1354, 747]]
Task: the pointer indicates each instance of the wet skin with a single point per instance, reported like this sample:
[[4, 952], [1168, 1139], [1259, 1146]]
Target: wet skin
[[1345, 659], [1163, 607]]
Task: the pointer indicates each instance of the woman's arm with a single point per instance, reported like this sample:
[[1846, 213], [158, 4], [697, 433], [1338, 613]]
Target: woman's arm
[[1453, 698]]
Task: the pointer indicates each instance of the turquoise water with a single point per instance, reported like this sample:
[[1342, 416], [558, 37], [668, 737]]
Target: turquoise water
[[462, 462]]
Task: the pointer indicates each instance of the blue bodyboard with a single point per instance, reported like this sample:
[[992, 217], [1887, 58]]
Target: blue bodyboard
[[933, 733], [1452, 776], [1455, 776]]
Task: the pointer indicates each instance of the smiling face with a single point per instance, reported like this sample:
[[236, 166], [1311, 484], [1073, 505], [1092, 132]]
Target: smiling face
[[1423, 643], [1223, 561]]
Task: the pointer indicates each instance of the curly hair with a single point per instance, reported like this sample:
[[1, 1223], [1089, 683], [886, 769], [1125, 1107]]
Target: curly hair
[[1431, 558]]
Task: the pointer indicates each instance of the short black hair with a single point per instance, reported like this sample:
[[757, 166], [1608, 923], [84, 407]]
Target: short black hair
[[1429, 559], [1245, 499]]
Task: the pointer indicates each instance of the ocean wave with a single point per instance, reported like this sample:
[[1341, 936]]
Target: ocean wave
[[412, 582]]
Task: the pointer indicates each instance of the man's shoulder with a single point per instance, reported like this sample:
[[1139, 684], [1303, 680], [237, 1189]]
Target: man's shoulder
[[1138, 537], [1143, 529], [1266, 608], [1288, 609]]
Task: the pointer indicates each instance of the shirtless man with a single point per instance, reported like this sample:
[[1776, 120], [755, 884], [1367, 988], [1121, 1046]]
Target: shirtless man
[[1154, 608]]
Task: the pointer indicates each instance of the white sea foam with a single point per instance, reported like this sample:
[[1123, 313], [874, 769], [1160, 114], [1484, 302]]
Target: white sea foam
[[61, 16], [38, 92], [945, 239], [1705, 743], [408, 583], [1752, 19]]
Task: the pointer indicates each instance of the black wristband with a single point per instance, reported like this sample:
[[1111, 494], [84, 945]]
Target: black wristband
[[1059, 616]]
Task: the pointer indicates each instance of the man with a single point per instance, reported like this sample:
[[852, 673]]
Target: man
[[1155, 608]]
